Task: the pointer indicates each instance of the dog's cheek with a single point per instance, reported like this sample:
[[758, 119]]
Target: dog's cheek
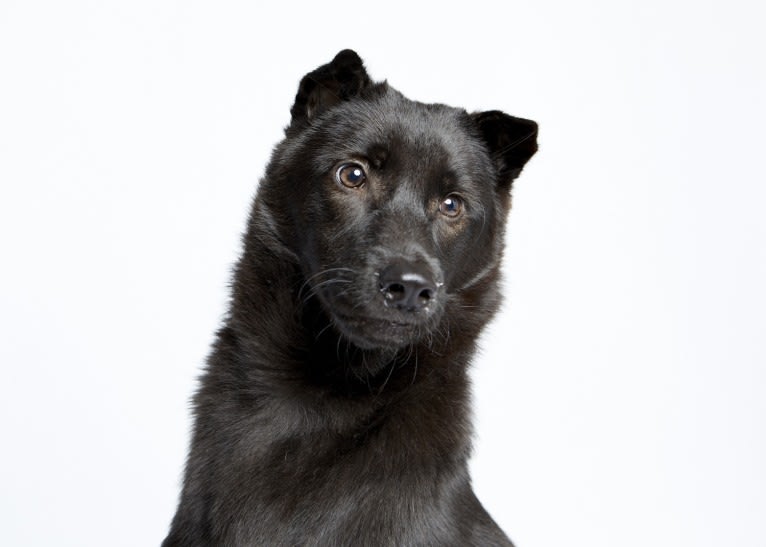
[[339, 229], [468, 252]]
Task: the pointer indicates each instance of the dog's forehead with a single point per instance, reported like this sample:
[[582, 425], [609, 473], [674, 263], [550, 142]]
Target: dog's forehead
[[395, 126]]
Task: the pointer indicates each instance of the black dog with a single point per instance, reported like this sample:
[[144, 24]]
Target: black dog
[[334, 409]]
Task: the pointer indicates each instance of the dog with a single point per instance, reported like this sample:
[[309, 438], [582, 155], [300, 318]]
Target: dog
[[334, 407]]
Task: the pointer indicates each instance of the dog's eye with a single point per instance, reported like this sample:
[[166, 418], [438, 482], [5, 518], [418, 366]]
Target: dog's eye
[[350, 175], [451, 206]]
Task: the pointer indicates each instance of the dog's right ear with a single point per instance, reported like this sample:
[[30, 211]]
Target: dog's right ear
[[339, 80]]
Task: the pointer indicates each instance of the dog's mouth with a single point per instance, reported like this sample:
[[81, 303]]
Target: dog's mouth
[[373, 332]]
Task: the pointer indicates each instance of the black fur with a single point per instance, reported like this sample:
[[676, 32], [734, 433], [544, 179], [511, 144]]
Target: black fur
[[334, 409]]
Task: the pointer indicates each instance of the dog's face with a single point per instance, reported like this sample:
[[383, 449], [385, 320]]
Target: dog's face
[[396, 207]]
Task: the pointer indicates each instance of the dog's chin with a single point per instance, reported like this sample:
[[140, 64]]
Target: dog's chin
[[370, 333]]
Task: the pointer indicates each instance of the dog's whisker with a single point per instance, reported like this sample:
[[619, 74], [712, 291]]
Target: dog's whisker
[[328, 271], [415, 368], [316, 288]]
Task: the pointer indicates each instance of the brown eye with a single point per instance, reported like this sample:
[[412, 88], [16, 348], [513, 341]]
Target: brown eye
[[451, 206], [350, 175]]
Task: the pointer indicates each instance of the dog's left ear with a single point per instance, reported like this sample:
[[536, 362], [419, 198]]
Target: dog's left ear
[[511, 142], [339, 80]]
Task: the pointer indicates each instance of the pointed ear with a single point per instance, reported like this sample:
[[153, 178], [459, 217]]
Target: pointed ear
[[339, 80], [511, 142]]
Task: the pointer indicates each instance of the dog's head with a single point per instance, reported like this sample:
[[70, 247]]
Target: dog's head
[[396, 209]]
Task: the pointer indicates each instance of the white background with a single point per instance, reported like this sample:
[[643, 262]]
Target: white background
[[620, 396]]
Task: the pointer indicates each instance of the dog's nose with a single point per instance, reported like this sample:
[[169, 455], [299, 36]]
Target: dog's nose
[[407, 286]]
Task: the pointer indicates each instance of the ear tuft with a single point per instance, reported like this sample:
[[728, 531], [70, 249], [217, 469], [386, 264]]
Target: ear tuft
[[511, 142], [339, 80]]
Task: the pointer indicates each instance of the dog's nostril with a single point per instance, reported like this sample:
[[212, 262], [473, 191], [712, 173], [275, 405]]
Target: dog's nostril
[[424, 296], [394, 291]]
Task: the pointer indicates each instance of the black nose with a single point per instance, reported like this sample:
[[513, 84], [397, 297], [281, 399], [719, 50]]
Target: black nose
[[407, 285]]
